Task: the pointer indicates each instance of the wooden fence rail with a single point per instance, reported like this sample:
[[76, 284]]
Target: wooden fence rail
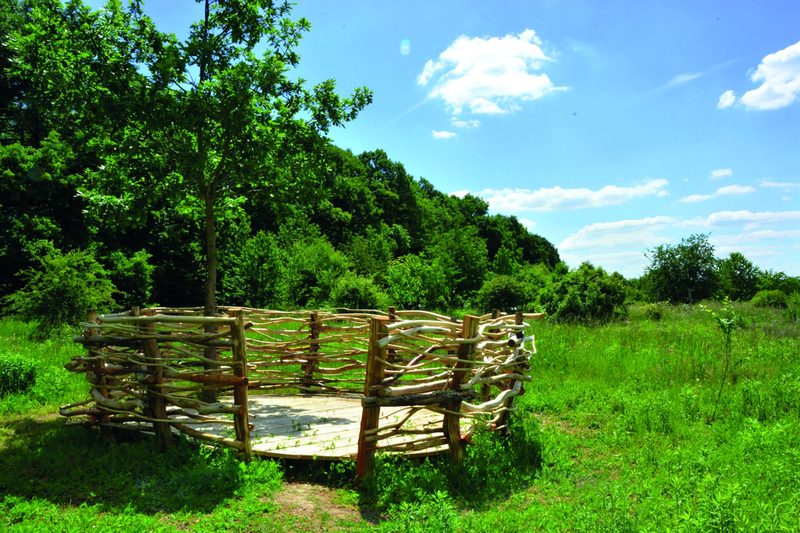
[[424, 381]]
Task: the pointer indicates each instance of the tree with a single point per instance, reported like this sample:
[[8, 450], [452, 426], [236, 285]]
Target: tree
[[771, 280], [393, 190], [462, 252], [683, 273], [738, 277], [239, 121]]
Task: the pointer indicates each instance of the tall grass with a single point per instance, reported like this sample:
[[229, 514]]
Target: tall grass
[[615, 432], [53, 386]]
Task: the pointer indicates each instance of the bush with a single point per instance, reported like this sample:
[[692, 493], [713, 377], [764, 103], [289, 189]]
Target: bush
[[314, 267], [133, 278], [252, 279], [61, 289], [16, 374], [587, 294], [769, 298], [792, 311], [653, 311], [357, 292], [414, 283], [501, 292]]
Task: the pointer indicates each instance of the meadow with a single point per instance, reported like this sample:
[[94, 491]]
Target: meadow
[[631, 426]]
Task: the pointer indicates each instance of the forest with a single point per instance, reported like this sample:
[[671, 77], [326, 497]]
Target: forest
[[137, 169]]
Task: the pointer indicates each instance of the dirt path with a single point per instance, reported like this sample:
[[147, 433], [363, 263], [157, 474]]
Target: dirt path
[[311, 507]]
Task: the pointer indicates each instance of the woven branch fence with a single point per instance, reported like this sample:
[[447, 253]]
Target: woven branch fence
[[167, 370]]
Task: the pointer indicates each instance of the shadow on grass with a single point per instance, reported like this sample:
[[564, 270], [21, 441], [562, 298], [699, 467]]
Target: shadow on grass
[[71, 465]]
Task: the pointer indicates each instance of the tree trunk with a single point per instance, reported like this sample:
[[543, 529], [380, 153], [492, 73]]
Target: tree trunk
[[210, 305]]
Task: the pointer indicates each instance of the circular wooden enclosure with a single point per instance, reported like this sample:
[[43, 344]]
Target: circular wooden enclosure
[[310, 384]]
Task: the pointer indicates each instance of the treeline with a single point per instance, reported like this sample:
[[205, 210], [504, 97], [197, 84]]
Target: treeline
[[139, 169], [690, 271]]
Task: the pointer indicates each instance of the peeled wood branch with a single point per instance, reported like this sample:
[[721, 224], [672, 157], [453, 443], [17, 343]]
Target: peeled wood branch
[[209, 436], [117, 405], [108, 319], [199, 377], [413, 446], [383, 391], [496, 403], [434, 398]]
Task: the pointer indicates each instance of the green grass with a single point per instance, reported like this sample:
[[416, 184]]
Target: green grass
[[54, 386], [614, 433]]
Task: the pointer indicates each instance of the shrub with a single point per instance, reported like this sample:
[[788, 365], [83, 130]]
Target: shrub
[[501, 292], [587, 294], [61, 289], [769, 298], [653, 311], [792, 311], [357, 292], [133, 278], [314, 266], [252, 279], [16, 374]]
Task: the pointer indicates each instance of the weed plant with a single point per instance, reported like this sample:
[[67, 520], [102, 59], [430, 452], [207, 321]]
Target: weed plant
[[17, 374]]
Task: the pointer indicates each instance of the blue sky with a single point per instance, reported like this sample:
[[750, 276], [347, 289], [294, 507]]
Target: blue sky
[[606, 127]]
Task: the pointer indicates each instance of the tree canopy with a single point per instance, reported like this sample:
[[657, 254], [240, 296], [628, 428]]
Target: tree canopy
[[683, 273]]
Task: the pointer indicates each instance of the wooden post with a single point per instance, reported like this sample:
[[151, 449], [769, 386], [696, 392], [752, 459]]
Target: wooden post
[[371, 415], [391, 353], [502, 422], [241, 421], [157, 406], [486, 390], [452, 428], [101, 379], [313, 352], [209, 393]]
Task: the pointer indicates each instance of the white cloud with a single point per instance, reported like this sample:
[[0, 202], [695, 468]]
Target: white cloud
[[490, 75], [694, 198], [465, 123], [770, 234], [782, 185], [558, 198], [719, 173], [528, 223], [726, 100], [779, 74], [751, 218], [734, 189], [621, 245], [683, 78], [612, 234], [722, 191], [442, 134]]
